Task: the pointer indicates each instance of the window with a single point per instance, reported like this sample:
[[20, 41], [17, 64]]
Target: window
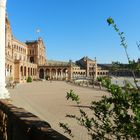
[[32, 59]]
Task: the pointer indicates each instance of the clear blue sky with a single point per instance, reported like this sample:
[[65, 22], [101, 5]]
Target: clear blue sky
[[72, 29]]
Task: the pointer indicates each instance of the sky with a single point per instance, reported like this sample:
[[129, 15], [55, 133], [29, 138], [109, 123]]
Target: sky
[[72, 29]]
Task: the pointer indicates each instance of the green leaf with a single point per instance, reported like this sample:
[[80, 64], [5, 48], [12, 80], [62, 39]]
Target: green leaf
[[110, 21]]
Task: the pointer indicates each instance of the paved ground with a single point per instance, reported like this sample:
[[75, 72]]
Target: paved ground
[[47, 100], [120, 80]]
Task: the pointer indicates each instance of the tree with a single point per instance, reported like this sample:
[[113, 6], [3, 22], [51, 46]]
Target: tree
[[115, 117]]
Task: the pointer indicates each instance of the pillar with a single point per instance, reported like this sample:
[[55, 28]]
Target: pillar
[[56, 75], [66, 74], [4, 94], [44, 73], [61, 74], [96, 70], [50, 73]]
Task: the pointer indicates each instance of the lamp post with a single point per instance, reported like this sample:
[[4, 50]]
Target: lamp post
[[4, 94]]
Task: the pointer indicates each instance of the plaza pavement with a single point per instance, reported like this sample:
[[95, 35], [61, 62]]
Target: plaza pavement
[[47, 100], [120, 80]]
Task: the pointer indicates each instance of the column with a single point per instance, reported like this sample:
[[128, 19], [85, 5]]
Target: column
[[4, 94], [44, 73], [28, 71], [96, 70], [31, 72], [6, 72], [66, 74], [50, 73], [56, 75], [62, 75]]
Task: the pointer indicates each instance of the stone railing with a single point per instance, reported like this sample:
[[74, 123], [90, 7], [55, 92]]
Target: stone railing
[[18, 124]]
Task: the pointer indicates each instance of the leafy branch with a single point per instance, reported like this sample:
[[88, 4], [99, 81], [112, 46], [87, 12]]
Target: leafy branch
[[111, 22], [114, 117]]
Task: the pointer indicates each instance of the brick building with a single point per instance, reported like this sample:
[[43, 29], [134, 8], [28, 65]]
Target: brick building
[[29, 59]]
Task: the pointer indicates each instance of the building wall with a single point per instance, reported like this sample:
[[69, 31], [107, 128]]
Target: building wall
[[17, 63], [90, 66], [29, 59], [36, 52]]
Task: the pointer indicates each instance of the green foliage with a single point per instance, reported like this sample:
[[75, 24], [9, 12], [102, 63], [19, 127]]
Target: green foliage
[[116, 116], [110, 21], [47, 77], [132, 65], [66, 128], [99, 79], [29, 79], [71, 95], [105, 81]]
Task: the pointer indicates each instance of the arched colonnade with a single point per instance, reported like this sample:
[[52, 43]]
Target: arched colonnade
[[78, 74], [56, 73], [27, 71]]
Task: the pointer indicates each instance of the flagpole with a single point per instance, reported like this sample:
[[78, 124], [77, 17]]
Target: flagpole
[[37, 31]]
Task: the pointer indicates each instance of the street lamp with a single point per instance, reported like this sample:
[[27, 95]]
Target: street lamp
[[4, 94]]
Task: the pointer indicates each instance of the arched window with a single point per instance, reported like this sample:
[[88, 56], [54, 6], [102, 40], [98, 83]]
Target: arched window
[[21, 70], [32, 59], [41, 73]]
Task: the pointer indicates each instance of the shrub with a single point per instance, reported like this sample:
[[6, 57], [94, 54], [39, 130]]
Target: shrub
[[29, 79], [47, 77], [115, 117]]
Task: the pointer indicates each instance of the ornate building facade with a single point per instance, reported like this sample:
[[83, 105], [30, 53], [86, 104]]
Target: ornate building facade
[[28, 59]]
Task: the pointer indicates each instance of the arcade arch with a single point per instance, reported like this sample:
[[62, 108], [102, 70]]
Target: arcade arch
[[41, 74], [55, 73]]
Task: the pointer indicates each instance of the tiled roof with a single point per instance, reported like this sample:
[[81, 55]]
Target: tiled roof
[[86, 58], [57, 63], [31, 42]]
